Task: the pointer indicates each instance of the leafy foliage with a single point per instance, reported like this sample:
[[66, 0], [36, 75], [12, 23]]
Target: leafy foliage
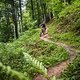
[[36, 64], [14, 20], [47, 53], [28, 22], [67, 31], [73, 71], [57, 7], [6, 73], [69, 18], [53, 78]]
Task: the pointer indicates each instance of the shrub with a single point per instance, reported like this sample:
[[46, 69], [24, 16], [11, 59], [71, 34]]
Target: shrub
[[77, 26], [69, 18], [6, 73], [73, 71]]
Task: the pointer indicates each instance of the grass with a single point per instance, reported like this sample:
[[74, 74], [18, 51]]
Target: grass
[[48, 53], [69, 38], [73, 40]]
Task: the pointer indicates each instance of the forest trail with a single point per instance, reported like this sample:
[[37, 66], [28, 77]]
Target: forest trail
[[58, 69]]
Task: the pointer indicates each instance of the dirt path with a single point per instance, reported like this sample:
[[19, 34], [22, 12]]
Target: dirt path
[[58, 69]]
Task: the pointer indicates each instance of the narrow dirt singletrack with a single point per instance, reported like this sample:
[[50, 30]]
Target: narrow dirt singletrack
[[58, 69]]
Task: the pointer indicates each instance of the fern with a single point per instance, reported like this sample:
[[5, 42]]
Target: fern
[[53, 78], [9, 74], [36, 64]]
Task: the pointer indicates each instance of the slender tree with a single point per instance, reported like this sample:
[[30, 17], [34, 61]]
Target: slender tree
[[38, 11], [20, 8], [45, 12], [32, 8], [14, 16]]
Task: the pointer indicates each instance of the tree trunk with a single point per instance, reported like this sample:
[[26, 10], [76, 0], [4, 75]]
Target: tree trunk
[[7, 29], [44, 6], [42, 13], [20, 15], [32, 8], [14, 16], [51, 14], [38, 11]]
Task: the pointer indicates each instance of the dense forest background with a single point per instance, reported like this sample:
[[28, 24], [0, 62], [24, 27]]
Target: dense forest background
[[22, 53], [21, 15]]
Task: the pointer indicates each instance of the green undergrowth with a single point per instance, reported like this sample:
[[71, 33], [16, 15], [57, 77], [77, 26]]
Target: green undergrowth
[[73, 40], [47, 53], [73, 71], [66, 28], [69, 18], [69, 38], [6, 73]]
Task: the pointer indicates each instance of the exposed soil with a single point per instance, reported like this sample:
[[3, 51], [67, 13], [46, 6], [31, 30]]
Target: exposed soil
[[58, 69]]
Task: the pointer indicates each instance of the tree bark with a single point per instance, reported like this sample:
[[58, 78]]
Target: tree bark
[[38, 11], [44, 6], [20, 15], [14, 16], [32, 8]]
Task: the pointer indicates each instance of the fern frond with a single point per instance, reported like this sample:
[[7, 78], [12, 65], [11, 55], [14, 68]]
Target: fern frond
[[12, 73], [36, 64], [53, 78]]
